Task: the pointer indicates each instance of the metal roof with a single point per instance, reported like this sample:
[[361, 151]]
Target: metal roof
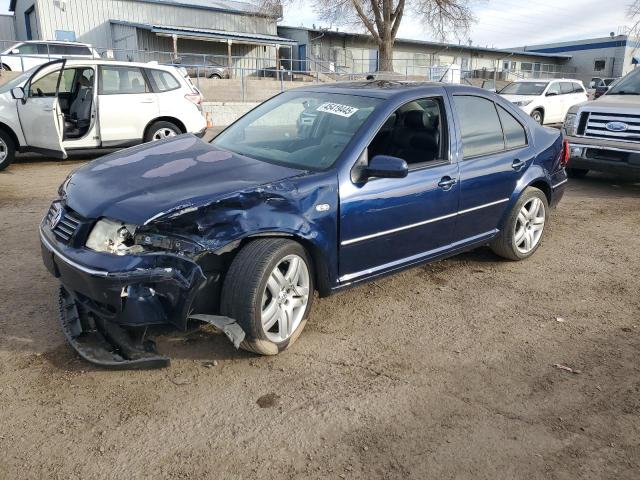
[[439, 45], [215, 5], [206, 33]]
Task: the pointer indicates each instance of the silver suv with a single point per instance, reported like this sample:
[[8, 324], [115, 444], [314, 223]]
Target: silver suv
[[604, 134]]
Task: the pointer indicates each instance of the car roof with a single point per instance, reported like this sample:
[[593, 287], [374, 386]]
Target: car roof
[[58, 42], [374, 88], [539, 80], [97, 61]]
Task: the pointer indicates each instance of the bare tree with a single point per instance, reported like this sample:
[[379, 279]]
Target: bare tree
[[382, 18], [634, 14]]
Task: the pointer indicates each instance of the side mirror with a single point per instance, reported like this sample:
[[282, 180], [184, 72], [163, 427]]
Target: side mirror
[[551, 94], [17, 93], [15, 51], [385, 166]]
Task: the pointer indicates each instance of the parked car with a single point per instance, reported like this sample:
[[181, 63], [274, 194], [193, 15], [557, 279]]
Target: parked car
[[97, 104], [602, 88], [547, 101], [240, 232], [196, 67], [26, 55], [604, 134]]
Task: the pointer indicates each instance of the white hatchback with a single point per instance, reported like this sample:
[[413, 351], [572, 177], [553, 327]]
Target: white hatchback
[[90, 104], [547, 101]]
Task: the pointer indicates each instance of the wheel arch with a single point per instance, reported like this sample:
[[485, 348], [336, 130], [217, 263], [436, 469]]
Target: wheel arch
[[320, 266], [177, 122], [541, 110], [7, 129]]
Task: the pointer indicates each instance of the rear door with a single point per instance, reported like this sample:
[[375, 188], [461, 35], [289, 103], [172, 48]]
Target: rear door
[[495, 154], [554, 103], [126, 104], [40, 114]]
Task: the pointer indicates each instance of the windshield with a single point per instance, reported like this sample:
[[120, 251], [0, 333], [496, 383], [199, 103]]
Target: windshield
[[307, 130], [524, 88], [629, 85], [18, 81]]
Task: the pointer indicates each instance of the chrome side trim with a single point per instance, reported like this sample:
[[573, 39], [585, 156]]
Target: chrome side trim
[[82, 268], [419, 224], [403, 262], [559, 183]]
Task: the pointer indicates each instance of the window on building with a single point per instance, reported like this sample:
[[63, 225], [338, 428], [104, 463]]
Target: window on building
[[480, 126], [599, 65], [526, 66], [122, 80], [164, 81]]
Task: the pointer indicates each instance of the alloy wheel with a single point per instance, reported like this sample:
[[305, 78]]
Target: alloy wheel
[[285, 298], [163, 133], [529, 225], [4, 150]]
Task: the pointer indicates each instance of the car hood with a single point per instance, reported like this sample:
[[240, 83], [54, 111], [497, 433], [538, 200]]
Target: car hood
[[518, 98], [143, 183], [624, 102]]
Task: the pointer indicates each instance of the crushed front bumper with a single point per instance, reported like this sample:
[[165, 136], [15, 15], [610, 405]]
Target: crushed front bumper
[[102, 295]]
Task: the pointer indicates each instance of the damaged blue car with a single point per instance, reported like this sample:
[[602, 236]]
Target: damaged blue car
[[318, 189]]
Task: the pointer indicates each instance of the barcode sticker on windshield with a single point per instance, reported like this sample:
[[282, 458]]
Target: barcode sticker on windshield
[[337, 109]]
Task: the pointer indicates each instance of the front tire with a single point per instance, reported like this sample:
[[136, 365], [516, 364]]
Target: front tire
[[537, 116], [161, 130], [7, 150], [268, 290], [577, 172], [522, 232]]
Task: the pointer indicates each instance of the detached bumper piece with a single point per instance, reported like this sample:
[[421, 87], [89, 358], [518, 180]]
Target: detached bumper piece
[[102, 342]]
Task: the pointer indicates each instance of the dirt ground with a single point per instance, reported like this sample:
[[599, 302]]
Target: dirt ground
[[443, 371]]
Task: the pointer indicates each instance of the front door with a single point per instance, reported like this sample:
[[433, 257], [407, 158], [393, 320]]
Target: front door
[[496, 153], [387, 223], [126, 104], [40, 114]]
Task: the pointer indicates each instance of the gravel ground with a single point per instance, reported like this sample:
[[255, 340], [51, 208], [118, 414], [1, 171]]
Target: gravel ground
[[443, 371]]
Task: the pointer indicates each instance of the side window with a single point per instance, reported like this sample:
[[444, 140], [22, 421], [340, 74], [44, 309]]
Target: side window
[[164, 81], [66, 82], [43, 49], [479, 125], [416, 132], [122, 80], [554, 88], [45, 86], [566, 87], [577, 88], [514, 133], [27, 49]]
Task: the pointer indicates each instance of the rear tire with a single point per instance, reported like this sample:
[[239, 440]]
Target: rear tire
[[7, 150], [537, 116], [522, 232], [161, 130], [268, 290], [215, 76], [577, 172]]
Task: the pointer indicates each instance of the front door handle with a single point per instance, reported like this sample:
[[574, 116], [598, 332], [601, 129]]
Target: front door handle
[[446, 183], [517, 164], [147, 100], [48, 109]]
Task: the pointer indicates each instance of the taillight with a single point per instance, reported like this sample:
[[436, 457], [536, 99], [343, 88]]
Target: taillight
[[564, 156], [194, 98]]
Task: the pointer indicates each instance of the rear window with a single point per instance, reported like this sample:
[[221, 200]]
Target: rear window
[[164, 81], [122, 80], [577, 88]]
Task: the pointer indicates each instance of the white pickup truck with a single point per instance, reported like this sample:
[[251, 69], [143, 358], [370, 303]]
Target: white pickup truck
[[604, 134]]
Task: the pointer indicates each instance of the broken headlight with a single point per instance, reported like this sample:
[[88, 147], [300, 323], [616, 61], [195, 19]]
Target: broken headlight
[[112, 236]]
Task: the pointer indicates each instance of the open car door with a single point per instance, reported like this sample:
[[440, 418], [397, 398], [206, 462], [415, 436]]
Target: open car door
[[39, 110]]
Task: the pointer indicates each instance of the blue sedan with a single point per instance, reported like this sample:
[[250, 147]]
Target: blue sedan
[[318, 189]]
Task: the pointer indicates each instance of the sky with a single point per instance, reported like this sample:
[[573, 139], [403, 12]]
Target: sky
[[501, 23]]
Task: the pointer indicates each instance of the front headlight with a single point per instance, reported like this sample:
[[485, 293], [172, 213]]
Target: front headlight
[[522, 103], [570, 124], [112, 236]]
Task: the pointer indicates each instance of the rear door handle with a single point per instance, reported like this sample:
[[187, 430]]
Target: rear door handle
[[517, 164], [147, 100], [48, 109], [446, 183]]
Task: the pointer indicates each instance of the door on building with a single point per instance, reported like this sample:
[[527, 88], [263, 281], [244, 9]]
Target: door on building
[[30, 24], [302, 58]]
